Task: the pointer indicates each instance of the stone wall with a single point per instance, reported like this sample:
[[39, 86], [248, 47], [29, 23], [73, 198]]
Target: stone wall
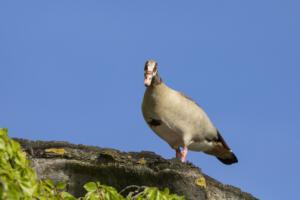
[[78, 164]]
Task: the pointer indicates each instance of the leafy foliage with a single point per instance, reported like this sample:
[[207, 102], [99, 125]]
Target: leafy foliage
[[98, 191], [48, 190], [17, 178], [19, 181], [153, 193]]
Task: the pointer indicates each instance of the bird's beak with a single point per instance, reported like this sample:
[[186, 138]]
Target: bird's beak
[[148, 80]]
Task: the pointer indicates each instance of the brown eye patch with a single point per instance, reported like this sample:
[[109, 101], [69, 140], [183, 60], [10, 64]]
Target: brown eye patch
[[146, 66], [155, 68]]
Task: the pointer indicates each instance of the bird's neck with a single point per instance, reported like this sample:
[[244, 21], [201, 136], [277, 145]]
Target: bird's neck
[[156, 80]]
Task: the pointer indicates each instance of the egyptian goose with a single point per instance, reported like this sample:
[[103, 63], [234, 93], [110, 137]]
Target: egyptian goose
[[179, 120]]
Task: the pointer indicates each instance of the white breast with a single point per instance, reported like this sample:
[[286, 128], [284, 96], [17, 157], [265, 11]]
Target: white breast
[[168, 133]]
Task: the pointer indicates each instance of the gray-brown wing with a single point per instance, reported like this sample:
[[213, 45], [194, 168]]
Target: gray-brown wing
[[189, 98]]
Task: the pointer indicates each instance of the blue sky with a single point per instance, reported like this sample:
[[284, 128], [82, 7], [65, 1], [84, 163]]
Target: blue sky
[[73, 70]]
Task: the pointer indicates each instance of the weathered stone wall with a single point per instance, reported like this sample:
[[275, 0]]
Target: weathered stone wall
[[78, 164]]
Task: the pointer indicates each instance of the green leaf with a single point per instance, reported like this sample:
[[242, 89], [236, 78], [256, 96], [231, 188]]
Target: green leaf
[[27, 188], [67, 196], [61, 186], [49, 183], [3, 132], [90, 186], [166, 191], [2, 144]]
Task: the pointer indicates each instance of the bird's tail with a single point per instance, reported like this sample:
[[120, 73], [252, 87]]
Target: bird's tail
[[228, 158]]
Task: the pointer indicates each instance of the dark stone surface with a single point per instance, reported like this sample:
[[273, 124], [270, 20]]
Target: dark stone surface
[[78, 164]]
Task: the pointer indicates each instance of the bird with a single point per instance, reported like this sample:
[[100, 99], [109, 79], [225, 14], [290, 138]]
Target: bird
[[179, 120]]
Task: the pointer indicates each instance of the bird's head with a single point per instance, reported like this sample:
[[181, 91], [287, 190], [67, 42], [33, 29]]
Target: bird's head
[[150, 71]]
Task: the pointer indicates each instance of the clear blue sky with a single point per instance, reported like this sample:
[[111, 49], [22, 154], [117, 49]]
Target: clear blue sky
[[73, 70]]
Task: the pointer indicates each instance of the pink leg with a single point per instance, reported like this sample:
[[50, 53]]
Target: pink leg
[[184, 152], [181, 154]]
